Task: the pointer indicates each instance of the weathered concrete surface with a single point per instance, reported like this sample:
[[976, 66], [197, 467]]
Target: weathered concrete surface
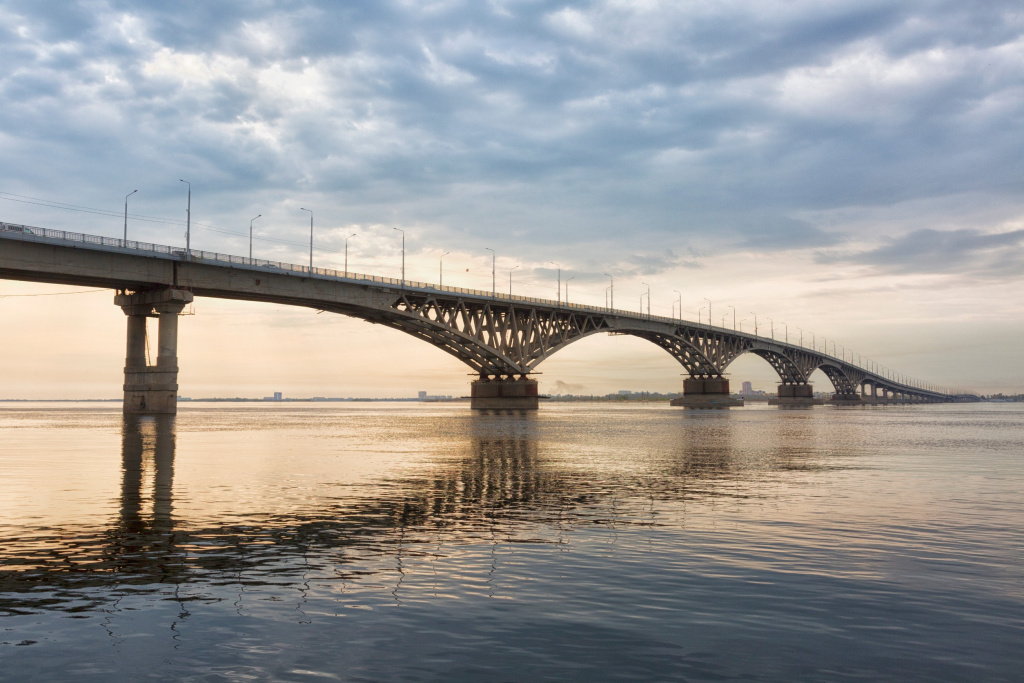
[[706, 393], [504, 394], [152, 389], [795, 395]]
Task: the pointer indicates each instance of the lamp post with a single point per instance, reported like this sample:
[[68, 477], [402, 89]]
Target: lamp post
[[755, 322], [310, 238], [188, 223], [403, 254], [680, 302], [510, 280], [611, 289], [772, 323], [567, 288], [700, 315], [559, 266], [126, 213], [801, 336], [346, 252], [493, 257], [709, 311], [648, 300], [787, 332], [250, 235], [440, 270], [733, 317]]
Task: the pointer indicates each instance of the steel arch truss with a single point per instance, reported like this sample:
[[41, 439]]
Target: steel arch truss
[[503, 339], [691, 357], [495, 339]]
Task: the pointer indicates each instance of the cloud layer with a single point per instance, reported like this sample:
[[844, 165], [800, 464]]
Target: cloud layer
[[649, 139]]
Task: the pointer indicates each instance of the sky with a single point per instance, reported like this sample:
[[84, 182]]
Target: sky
[[851, 170]]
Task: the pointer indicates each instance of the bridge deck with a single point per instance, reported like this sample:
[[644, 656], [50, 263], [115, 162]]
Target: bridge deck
[[55, 256]]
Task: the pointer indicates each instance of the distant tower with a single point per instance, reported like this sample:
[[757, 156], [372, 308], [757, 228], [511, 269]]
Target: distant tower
[[277, 395], [423, 396], [747, 388]]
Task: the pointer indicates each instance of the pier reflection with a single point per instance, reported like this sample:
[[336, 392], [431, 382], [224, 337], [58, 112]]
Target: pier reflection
[[494, 480]]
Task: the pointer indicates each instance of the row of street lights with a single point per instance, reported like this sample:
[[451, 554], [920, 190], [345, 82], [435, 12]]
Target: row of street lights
[[609, 291]]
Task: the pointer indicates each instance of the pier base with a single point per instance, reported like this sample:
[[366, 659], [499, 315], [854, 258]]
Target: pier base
[[152, 389], [504, 394], [795, 395], [700, 392], [846, 400]]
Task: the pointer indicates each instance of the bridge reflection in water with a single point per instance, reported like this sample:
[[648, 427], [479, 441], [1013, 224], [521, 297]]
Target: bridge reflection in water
[[495, 490]]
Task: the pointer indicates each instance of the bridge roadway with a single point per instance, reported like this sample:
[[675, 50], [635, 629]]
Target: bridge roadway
[[502, 338]]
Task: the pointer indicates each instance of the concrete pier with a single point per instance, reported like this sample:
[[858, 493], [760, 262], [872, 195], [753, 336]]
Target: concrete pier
[[504, 394], [152, 389], [703, 392], [790, 395]]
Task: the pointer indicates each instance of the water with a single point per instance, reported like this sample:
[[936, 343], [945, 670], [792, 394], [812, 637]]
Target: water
[[415, 542]]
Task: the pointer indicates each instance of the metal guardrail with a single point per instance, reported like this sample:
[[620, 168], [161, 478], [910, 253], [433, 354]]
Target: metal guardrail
[[97, 241]]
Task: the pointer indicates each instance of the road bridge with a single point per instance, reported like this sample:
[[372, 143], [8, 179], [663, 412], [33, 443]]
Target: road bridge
[[503, 338]]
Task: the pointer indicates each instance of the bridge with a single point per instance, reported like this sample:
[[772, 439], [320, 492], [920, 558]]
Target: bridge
[[503, 338]]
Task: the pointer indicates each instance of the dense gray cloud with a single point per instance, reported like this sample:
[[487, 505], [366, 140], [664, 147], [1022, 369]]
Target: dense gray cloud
[[994, 255], [556, 124]]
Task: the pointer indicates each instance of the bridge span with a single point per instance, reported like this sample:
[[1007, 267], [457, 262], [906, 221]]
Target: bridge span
[[502, 338]]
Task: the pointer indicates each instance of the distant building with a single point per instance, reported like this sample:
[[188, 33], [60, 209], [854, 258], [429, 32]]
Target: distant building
[[423, 396], [278, 396], [747, 388]]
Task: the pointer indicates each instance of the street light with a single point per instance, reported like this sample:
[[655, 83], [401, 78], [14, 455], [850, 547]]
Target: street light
[[787, 332], [510, 280], [250, 235], [188, 222], [772, 323], [801, 336], [346, 252], [403, 254], [126, 213], [567, 288], [755, 322], [733, 317], [493, 257], [440, 270], [310, 238], [680, 303], [648, 300], [700, 314], [557, 265], [611, 289], [709, 311]]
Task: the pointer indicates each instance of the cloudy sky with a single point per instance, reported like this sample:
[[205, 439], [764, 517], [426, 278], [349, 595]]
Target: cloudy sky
[[851, 169]]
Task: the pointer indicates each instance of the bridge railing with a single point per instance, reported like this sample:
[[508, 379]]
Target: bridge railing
[[33, 233]]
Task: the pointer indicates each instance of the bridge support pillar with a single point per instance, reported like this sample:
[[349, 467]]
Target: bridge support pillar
[[845, 399], [504, 394], [706, 392], [152, 389], [792, 395]]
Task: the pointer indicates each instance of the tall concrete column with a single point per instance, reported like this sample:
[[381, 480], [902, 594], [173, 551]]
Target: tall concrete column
[[136, 352], [152, 389]]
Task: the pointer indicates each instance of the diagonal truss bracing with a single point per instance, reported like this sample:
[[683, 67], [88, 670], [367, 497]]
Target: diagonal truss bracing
[[504, 339]]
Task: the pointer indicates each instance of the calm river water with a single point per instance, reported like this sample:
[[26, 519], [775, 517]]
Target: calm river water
[[414, 542]]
